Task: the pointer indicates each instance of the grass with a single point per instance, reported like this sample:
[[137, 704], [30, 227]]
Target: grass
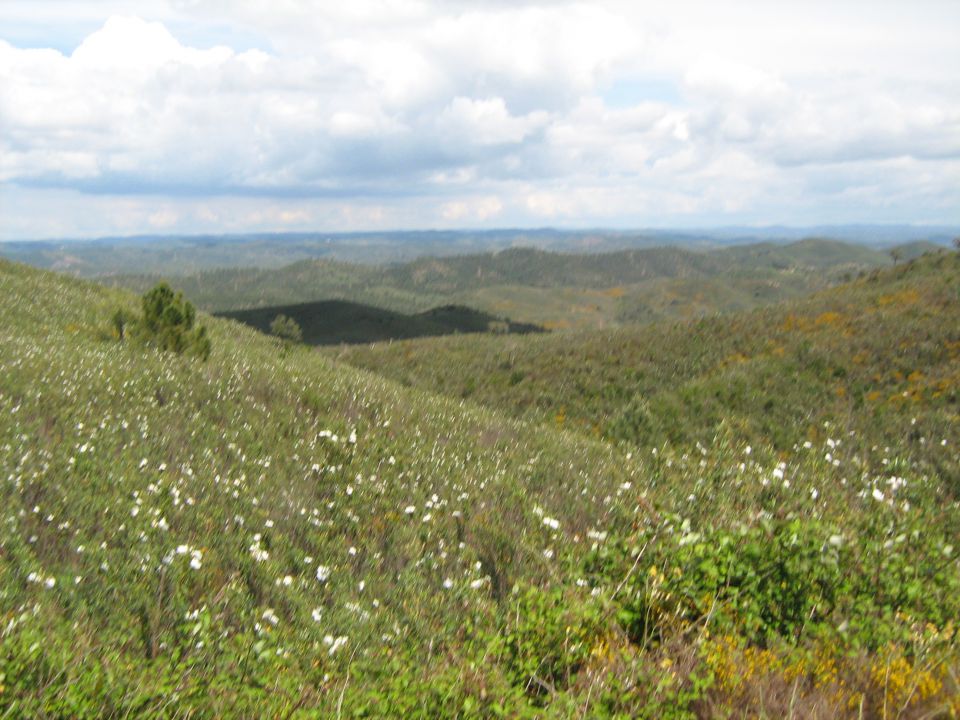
[[272, 533]]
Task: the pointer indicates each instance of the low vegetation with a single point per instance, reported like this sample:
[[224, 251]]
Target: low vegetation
[[281, 534]]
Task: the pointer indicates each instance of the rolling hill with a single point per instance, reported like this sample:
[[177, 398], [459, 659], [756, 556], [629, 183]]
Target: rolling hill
[[280, 534], [854, 352], [552, 289]]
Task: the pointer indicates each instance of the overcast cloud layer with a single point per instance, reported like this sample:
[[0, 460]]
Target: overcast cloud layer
[[242, 115]]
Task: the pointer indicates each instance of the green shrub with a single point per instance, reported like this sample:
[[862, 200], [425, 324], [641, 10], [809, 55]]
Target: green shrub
[[782, 580], [168, 323]]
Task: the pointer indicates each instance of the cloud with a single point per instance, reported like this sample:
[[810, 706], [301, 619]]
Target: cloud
[[487, 122], [473, 209], [424, 113]]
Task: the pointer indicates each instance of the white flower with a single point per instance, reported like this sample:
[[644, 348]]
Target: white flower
[[478, 583], [878, 494], [335, 644], [258, 553], [270, 616], [551, 523], [836, 540], [410, 509], [323, 573], [49, 583], [548, 554], [317, 614], [448, 583], [287, 581]]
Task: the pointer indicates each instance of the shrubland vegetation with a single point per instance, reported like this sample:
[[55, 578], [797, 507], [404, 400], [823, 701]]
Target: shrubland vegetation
[[862, 354], [755, 514]]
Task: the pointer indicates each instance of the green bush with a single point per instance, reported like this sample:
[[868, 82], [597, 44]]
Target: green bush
[[782, 580]]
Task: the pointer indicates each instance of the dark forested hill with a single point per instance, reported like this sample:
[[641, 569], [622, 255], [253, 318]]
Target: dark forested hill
[[332, 322]]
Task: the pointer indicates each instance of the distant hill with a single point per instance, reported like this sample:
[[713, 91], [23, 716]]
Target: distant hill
[[332, 322], [538, 268], [188, 254]]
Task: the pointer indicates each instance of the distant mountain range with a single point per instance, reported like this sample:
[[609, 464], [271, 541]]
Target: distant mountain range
[[182, 254]]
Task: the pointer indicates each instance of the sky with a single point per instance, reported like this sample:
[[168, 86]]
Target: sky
[[225, 116]]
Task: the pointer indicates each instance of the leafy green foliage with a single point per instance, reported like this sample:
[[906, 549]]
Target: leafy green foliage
[[783, 580]]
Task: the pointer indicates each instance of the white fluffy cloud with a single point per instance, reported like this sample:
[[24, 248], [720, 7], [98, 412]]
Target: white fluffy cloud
[[204, 114]]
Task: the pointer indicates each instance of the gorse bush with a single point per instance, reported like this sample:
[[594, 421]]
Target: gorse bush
[[168, 323]]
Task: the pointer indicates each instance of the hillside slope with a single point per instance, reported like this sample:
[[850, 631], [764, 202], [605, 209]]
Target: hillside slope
[[277, 534], [870, 355]]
